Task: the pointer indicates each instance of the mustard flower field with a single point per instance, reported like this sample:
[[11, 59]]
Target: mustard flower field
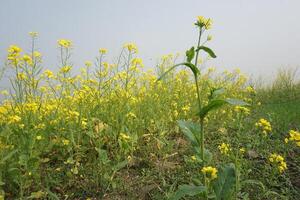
[[120, 130]]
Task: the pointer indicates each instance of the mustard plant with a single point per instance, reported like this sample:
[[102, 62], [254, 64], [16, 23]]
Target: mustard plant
[[196, 132]]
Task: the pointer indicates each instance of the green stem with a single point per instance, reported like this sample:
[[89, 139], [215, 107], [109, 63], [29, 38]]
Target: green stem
[[199, 98], [202, 139], [198, 45]]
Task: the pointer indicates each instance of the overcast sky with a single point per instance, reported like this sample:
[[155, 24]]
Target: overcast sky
[[257, 36]]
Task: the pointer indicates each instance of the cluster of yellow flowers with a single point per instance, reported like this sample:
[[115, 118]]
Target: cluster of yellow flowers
[[204, 22], [131, 47], [21, 76], [27, 59], [65, 69], [242, 109], [64, 43], [278, 160], [102, 51], [224, 148], [294, 136], [13, 53], [49, 74], [264, 125], [210, 172], [65, 142]]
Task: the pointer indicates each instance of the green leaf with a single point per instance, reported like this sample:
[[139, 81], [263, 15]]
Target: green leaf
[[236, 102], [213, 104], [225, 183], [194, 69], [190, 130], [207, 50], [188, 190], [217, 103], [190, 54]]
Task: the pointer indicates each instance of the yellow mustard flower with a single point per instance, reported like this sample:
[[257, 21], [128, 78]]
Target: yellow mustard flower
[[14, 119], [131, 47], [250, 89], [193, 158], [264, 126], [278, 160], [224, 148], [294, 136], [21, 76], [210, 172], [27, 59], [204, 22], [65, 142], [38, 137], [37, 54], [242, 150], [49, 74], [242, 109], [65, 69], [64, 43], [14, 50], [102, 51]]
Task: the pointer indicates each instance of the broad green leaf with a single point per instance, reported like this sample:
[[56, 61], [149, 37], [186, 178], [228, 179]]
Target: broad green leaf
[[213, 104], [188, 190], [225, 183], [217, 103], [207, 50], [194, 69], [236, 102], [190, 130], [190, 54]]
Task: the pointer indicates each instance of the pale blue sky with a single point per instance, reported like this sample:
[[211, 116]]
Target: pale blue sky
[[256, 36]]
